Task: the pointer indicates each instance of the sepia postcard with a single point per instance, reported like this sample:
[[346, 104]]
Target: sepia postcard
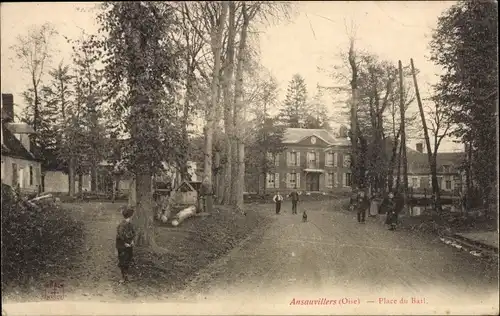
[[249, 158]]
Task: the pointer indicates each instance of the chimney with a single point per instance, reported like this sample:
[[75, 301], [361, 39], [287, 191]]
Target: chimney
[[420, 147], [8, 106]]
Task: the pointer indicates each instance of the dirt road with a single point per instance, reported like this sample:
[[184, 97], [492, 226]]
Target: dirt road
[[333, 257]]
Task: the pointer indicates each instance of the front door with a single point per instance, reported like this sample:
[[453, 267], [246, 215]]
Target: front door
[[312, 182]]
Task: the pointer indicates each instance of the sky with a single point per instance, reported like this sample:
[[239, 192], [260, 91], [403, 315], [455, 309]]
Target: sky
[[311, 40]]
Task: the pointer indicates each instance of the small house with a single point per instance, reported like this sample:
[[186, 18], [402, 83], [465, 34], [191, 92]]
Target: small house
[[20, 165]]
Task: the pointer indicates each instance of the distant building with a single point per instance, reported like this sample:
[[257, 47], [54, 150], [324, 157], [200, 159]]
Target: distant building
[[20, 165], [315, 160], [449, 171]]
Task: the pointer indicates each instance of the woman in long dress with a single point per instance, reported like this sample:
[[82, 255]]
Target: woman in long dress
[[374, 204]]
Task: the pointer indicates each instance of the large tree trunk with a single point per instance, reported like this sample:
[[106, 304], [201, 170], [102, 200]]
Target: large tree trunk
[[218, 184], [354, 118], [403, 133], [93, 177], [228, 106], [212, 110], [80, 184], [144, 208], [71, 177], [390, 173], [183, 167], [431, 160], [239, 109]]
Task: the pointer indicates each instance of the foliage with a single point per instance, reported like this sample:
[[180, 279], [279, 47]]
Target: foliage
[[465, 44], [35, 53], [266, 145], [36, 242], [142, 72], [294, 110], [317, 116]]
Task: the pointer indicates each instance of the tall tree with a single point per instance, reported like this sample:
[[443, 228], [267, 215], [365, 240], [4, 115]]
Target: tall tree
[[239, 107], [59, 98], [317, 115], [465, 45], [141, 65], [228, 95], [432, 165], [295, 109], [86, 59], [35, 53]]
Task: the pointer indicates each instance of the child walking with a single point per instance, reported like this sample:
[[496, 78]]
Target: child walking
[[278, 199], [125, 235]]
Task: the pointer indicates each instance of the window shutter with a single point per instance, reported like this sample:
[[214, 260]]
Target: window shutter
[[341, 160], [288, 184], [267, 180], [344, 179], [297, 180], [335, 159], [277, 161], [298, 158], [288, 158], [318, 160], [335, 180], [277, 180]]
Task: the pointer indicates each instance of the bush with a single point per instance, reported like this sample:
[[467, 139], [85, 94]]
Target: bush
[[36, 241]]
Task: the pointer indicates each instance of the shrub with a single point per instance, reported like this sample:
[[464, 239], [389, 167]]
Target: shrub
[[36, 241]]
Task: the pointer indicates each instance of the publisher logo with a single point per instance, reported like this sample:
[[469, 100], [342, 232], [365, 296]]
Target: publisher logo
[[54, 291]]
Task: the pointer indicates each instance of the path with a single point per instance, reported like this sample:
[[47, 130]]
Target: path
[[333, 256]]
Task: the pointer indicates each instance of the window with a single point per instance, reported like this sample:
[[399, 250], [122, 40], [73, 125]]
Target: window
[[329, 180], [293, 180], [272, 180], [335, 160], [31, 175], [329, 159], [335, 180], [448, 185], [274, 159], [294, 161], [414, 182], [446, 168], [347, 161], [312, 160], [347, 179]]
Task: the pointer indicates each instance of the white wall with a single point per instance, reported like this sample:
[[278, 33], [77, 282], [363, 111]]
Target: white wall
[[26, 182], [57, 181]]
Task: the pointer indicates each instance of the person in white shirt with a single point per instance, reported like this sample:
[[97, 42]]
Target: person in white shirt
[[278, 198]]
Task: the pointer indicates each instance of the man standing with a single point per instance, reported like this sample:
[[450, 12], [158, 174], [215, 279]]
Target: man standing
[[295, 199], [362, 206], [277, 200]]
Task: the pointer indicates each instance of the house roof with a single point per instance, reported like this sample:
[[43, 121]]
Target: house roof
[[295, 135], [12, 147], [419, 163], [5, 116]]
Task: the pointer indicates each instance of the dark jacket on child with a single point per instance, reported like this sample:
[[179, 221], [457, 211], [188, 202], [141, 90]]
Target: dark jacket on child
[[125, 234], [392, 216]]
